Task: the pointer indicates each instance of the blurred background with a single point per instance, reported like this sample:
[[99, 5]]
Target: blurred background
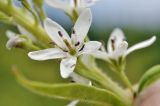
[[139, 19]]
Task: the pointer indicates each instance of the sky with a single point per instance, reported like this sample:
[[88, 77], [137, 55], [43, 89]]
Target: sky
[[110, 13]]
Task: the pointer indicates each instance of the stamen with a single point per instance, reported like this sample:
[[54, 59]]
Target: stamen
[[77, 43], [72, 81], [75, 3], [60, 33], [73, 31], [82, 48], [67, 43], [51, 43], [73, 65], [65, 50], [113, 44]]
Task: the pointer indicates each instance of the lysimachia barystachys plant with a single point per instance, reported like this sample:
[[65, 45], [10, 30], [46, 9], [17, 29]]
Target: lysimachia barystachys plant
[[45, 39]]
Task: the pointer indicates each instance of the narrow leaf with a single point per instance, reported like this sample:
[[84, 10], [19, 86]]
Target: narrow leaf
[[149, 77], [71, 91]]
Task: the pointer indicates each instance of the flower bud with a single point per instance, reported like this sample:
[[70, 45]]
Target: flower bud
[[14, 41]]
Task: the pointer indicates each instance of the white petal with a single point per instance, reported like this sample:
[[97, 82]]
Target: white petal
[[120, 51], [67, 66], [141, 45], [65, 5], [79, 79], [88, 60], [10, 34], [116, 38], [52, 53], [87, 3], [82, 26], [26, 33], [53, 29], [100, 55], [13, 39], [90, 47], [73, 103]]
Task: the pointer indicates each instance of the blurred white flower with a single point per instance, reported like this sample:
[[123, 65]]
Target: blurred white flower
[[118, 47], [69, 5], [150, 96], [13, 39], [68, 48]]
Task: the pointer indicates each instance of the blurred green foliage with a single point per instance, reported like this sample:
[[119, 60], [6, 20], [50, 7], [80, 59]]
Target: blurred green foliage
[[12, 94]]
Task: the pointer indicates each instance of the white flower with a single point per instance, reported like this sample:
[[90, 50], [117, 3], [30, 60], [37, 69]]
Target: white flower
[[117, 46], [69, 5], [13, 39], [68, 48]]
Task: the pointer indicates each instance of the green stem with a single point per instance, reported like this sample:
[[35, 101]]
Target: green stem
[[97, 75], [126, 80], [26, 21], [31, 47]]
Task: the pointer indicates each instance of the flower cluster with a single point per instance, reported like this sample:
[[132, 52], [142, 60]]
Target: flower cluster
[[45, 39]]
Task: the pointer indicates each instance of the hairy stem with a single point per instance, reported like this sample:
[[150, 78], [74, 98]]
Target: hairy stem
[[97, 75]]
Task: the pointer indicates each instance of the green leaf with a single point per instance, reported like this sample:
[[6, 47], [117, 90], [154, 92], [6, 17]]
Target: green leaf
[[70, 91], [149, 77]]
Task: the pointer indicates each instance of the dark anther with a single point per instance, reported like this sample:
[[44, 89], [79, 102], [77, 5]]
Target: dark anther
[[113, 43], [77, 43], [73, 31], [82, 48], [72, 81], [51, 43], [60, 33], [65, 50], [73, 65]]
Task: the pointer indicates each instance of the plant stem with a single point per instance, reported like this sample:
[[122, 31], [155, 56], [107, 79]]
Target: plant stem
[[26, 21], [126, 80], [97, 75]]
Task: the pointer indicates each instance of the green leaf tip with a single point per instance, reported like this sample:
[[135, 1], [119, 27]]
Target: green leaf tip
[[71, 91], [149, 77]]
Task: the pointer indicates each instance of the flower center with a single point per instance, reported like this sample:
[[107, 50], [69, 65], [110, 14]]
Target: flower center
[[72, 50]]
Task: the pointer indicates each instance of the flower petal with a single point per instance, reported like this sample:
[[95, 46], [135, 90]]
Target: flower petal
[[56, 33], [120, 51], [116, 38], [73, 103], [100, 55], [82, 26], [67, 66], [87, 3], [141, 45], [51, 53], [61, 4], [79, 79], [90, 47]]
